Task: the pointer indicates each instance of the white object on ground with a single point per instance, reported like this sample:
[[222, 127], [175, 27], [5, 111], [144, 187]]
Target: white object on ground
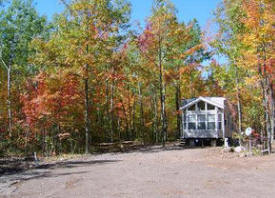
[[248, 131], [226, 144], [239, 149]]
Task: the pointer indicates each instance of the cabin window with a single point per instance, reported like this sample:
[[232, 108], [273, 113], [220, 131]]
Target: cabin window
[[191, 125], [210, 107], [191, 121], [192, 108], [191, 118], [201, 121], [211, 121], [201, 106]]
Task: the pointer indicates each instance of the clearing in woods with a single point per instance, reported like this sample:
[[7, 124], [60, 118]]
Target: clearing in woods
[[149, 173]]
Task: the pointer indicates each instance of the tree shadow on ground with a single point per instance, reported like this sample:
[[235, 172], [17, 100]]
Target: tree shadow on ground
[[33, 174], [160, 148], [17, 168], [47, 171], [73, 164], [48, 174]]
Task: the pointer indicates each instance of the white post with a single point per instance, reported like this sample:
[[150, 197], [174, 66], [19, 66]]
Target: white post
[[223, 128], [183, 122], [226, 145], [196, 115], [187, 117], [206, 116]]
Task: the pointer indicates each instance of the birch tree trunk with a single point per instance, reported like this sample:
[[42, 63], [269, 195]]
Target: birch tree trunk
[[162, 95], [239, 106]]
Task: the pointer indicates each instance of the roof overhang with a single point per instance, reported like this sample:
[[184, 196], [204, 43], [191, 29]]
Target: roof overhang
[[202, 99]]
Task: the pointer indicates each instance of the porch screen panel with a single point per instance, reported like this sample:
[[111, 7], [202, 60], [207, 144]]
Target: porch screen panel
[[211, 123], [191, 121], [201, 121]]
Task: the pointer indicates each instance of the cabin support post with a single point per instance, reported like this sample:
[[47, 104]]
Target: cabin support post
[[191, 142], [213, 142]]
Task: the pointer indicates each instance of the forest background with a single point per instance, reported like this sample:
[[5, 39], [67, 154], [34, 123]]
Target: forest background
[[89, 75]]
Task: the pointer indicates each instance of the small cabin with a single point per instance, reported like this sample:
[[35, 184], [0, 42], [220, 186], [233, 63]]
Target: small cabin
[[206, 118]]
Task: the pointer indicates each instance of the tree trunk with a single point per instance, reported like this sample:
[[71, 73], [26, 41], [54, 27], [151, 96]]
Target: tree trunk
[[268, 106], [269, 99], [268, 110], [163, 111], [141, 116], [239, 106], [178, 98], [267, 117], [162, 93], [86, 113], [106, 133], [155, 125], [272, 116], [44, 141], [112, 111], [126, 120], [9, 101], [133, 121]]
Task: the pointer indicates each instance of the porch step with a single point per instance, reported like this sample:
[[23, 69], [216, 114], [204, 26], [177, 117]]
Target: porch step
[[183, 142]]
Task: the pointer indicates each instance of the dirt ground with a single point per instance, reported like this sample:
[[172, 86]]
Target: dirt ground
[[148, 173]]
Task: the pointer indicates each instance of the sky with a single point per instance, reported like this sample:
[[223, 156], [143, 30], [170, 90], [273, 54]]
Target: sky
[[187, 9], [202, 10]]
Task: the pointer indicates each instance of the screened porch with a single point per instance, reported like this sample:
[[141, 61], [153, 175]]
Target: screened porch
[[203, 120]]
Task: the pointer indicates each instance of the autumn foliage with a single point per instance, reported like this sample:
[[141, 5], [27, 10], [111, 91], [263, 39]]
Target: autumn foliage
[[89, 77]]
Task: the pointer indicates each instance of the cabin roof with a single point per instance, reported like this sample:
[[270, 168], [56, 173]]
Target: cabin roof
[[216, 101]]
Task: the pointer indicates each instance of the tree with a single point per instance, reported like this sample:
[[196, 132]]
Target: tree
[[173, 48], [19, 24], [186, 53], [246, 34], [154, 46], [86, 39], [259, 21], [228, 16]]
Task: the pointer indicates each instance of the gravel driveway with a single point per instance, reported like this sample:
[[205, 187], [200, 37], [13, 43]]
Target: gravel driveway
[[150, 173]]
